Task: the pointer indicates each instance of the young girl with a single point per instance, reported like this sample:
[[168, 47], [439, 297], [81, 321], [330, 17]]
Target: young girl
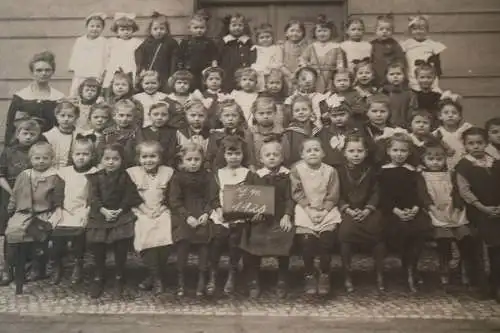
[[153, 229], [197, 51], [234, 124], [227, 232], [385, 49], [89, 93], [62, 136], [342, 84], [270, 236], [70, 227], [315, 190], [354, 47], [196, 130], [301, 127], [294, 45], [447, 211], [89, 54], [180, 84], [324, 55], [401, 98], [420, 128], [159, 131], [111, 220], [150, 84], [122, 87], [425, 97], [246, 92], [364, 78], [191, 206], [235, 50], [452, 127], [124, 128], [267, 54], [14, 160], [359, 200], [99, 118], [477, 179], [404, 202], [492, 127], [211, 95], [37, 194], [265, 126], [421, 49]]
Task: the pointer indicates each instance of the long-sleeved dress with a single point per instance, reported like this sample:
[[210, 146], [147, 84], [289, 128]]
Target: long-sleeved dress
[[292, 139], [112, 190], [151, 232], [356, 51], [215, 153], [234, 53], [266, 58], [266, 238], [359, 190], [385, 52], [176, 111], [120, 57], [189, 195], [291, 58], [210, 100], [401, 104], [332, 140], [188, 135]]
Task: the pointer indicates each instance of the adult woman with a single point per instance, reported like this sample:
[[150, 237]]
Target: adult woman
[[38, 99]]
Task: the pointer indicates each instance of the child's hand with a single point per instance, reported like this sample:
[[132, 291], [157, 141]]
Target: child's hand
[[319, 216], [286, 223], [492, 211], [192, 222], [257, 218], [108, 214], [363, 214], [203, 219], [351, 212], [399, 213]]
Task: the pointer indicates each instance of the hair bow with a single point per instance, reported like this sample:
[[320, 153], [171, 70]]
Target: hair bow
[[360, 61], [102, 16], [413, 20], [334, 101], [449, 95], [119, 15], [421, 62], [92, 137]]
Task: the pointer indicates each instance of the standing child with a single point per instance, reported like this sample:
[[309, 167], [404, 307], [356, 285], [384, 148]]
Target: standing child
[[211, 95], [121, 48], [191, 206], [196, 130], [197, 51], [354, 47], [111, 220], [477, 179], [420, 49], [359, 204], [62, 136], [385, 49], [235, 51], [122, 87], [401, 99], [294, 45], [268, 55], [89, 93], [89, 53], [153, 229], [451, 128], [37, 194], [302, 126], [324, 55], [159, 131], [404, 202], [74, 216], [447, 213], [150, 84], [246, 92], [158, 52], [270, 236], [315, 190], [492, 127], [227, 233], [180, 84], [425, 97]]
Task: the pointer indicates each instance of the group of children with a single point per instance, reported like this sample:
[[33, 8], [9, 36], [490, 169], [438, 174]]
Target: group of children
[[359, 144]]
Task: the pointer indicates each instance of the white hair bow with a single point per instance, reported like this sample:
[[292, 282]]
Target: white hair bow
[[120, 15], [102, 16], [449, 95], [413, 20], [334, 101]]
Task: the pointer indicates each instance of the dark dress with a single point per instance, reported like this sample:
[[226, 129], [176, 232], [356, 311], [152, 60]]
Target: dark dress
[[23, 102], [125, 137], [401, 104], [484, 184], [429, 101], [357, 105], [385, 52], [401, 187], [265, 238], [215, 154], [359, 189], [176, 113], [212, 121], [292, 140], [196, 54], [167, 138], [165, 61], [332, 140], [234, 53], [114, 190], [189, 195]]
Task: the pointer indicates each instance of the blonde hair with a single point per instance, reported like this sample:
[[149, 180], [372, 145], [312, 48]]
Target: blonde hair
[[41, 146]]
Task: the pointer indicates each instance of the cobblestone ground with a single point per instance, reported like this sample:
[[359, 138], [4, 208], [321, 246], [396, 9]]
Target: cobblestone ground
[[430, 303]]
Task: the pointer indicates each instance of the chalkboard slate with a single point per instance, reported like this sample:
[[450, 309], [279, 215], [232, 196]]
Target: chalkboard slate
[[244, 201]]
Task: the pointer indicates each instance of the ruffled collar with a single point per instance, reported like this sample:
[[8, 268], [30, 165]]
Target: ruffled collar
[[29, 94], [486, 162], [308, 128], [242, 39], [266, 171]]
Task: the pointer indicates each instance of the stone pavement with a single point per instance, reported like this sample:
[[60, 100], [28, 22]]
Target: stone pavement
[[43, 298]]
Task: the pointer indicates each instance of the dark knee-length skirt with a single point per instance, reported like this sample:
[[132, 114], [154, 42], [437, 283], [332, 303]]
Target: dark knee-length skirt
[[368, 231]]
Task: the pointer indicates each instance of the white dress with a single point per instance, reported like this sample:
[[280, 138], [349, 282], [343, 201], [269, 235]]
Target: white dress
[[493, 151], [268, 57], [146, 101], [356, 51], [121, 54], [454, 141], [416, 50], [245, 101], [152, 232], [88, 59], [61, 144]]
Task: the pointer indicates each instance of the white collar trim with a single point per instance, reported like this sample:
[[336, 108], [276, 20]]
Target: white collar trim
[[393, 166], [230, 38], [265, 171]]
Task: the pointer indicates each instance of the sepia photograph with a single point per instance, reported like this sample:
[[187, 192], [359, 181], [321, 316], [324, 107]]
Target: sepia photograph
[[233, 166]]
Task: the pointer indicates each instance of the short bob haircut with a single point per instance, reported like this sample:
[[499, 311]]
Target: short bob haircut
[[124, 22], [180, 75]]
